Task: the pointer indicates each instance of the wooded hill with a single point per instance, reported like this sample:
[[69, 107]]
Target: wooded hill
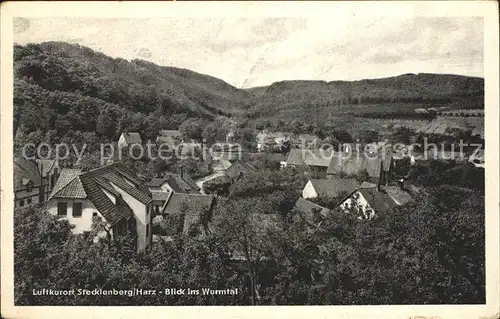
[[65, 87]]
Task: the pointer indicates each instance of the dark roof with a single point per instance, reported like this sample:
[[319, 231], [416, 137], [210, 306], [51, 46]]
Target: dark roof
[[378, 201], [111, 212], [25, 171], [92, 185], [132, 137], [68, 185], [159, 196], [192, 201], [309, 208], [335, 186], [195, 205], [355, 163], [180, 184], [309, 157], [239, 167]]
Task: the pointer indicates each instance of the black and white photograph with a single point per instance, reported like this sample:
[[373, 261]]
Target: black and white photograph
[[329, 160]]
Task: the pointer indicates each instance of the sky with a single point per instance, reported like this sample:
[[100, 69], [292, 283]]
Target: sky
[[249, 52]]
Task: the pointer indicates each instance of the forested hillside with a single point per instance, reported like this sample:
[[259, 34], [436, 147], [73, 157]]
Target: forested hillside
[[397, 95], [65, 88], [68, 87]]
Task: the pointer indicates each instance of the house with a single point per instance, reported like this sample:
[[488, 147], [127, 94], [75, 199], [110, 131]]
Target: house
[[28, 187], [33, 180], [161, 188], [128, 139], [238, 169], [111, 198], [367, 202], [329, 188], [195, 209], [378, 167], [316, 159], [269, 140]]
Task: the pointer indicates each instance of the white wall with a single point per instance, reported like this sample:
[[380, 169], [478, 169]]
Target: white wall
[[82, 223], [166, 188], [121, 142], [309, 191], [24, 195], [357, 201], [142, 214]]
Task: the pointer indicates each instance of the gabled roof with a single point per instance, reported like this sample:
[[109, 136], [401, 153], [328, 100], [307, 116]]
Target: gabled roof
[[92, 185], [378, 201], [239, 167], [335, 186], [25, 171], [180, 184], [132, 137], [309, 157], [355, 163], [68, 185]]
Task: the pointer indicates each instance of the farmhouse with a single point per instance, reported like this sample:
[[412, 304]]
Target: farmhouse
[[367, 201], [329, 188], [33, 180], [111, 197], [162, 188], [128, 139], [318, 160], [378, 167]]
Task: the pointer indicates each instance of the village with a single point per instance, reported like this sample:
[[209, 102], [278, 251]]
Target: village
[[112, 200]]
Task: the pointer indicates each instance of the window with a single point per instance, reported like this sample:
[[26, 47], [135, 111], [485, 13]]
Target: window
[[147, 231], [29, 187], [94, 214], [62, 209], [21, 202], [29, 200], [77, 209]]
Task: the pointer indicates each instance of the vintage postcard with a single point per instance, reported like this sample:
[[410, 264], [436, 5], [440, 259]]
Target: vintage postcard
[[337, 157]]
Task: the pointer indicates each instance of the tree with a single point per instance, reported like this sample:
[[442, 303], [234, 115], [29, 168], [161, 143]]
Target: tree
[[218, 185], [192, 129]]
